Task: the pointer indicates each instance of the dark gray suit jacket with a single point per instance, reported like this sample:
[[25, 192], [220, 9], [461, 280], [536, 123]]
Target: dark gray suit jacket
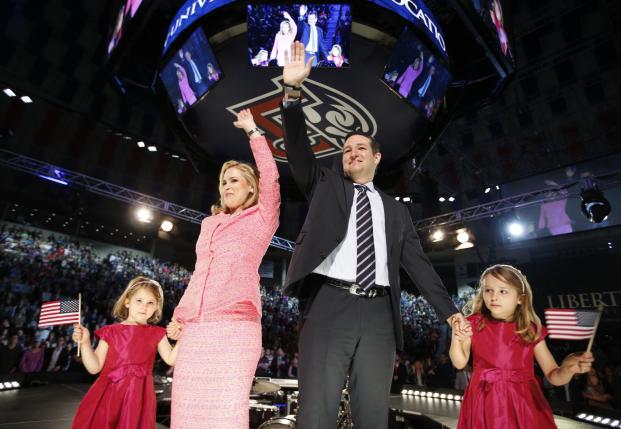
[[330, 197]]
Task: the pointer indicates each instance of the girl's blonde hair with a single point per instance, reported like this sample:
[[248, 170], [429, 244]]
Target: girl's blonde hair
[[120, 310], [524, 316], [248, 172]]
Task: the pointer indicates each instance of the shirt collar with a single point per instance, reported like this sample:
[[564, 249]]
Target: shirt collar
[[369, 186]]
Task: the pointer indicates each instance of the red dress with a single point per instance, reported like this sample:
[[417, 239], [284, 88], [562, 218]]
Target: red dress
[[503, 391], [123, 396]]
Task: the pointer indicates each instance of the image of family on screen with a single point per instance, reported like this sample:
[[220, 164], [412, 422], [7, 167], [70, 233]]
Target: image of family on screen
[[416, 75], [191, 72], [324, 30]]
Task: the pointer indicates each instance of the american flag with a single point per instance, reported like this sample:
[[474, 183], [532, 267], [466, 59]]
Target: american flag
[[568, 324], [61, 312]]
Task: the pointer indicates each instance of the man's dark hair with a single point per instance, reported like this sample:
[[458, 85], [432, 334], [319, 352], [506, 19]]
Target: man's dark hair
[[375, 146]]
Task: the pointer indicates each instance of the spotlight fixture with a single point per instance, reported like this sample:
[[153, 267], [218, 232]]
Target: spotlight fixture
[[451, 199], [9, 92], [487, 190], [594, 205], [442, 199], [140, 143], [26, 99], [406, 199], [144, 215], [463, 237], [167, 226], [152, 149], [515, 229], [438, 235]]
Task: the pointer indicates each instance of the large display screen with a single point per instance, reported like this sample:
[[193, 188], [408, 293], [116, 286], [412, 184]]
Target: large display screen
[[324, 29], [126, 11], [416, 75], [191, 72], [492, 15]]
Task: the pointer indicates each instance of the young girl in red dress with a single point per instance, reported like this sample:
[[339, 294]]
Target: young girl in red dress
[[505, 336], [123, 396]]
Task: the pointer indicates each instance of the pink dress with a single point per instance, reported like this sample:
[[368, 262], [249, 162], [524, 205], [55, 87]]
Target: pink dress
[[406, 80], [282, 44], [503, 391], [221, 341], [184, 86], [123, 396]]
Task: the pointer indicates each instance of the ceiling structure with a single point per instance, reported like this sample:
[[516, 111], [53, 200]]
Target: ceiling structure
[[562, 107]]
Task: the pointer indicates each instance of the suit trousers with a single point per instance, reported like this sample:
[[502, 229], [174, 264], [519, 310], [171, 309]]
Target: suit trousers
[[342, 335]]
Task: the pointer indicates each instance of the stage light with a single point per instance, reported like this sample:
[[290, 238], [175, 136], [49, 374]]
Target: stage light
[[515, 229], [26, 99], [152, 149], [416, 393], [436, 395], [463, 236], [597, 419], [15, 384], [442, 199], [406, 199], [594, 205], [451, 199], [174, 155], [144, 215], [589, 417], [429, 394], [397, 198], [7, 385], [1, 386], [449, 396], [438, 235], [9, 92], [140, 143], [581, 415], [615, 423], [487, 190], [167, 226], [404, 392]]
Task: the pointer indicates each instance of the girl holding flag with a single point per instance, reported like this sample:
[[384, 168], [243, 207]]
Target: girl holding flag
[[123, 396], [505, 337]]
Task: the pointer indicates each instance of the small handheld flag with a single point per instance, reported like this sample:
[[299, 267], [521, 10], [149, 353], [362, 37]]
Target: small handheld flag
[[61, 312], [572, 324]]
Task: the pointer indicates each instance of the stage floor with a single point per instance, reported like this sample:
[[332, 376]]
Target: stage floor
[[446, 412], [53, 407], [42, 407]]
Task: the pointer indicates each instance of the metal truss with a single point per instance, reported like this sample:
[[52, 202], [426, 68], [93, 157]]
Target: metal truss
[[505, 205], [110, 190]]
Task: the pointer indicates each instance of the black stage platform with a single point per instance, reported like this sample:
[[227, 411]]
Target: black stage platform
[[53, 406]]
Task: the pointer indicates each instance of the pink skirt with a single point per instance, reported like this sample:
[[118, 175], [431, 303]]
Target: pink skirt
[[216, 363]]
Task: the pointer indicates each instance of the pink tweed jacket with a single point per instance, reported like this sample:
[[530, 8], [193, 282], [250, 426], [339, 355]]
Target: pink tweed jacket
[[230, 248]]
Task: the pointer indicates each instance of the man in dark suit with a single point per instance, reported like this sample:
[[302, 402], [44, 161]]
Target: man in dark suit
[[312, 35], [56, 359], [345, 272]]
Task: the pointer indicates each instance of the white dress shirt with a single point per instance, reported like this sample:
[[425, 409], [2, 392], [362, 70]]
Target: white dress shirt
[[342, 262]]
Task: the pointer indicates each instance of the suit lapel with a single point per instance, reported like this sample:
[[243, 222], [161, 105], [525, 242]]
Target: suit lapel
[[390, 222], [348, 193]]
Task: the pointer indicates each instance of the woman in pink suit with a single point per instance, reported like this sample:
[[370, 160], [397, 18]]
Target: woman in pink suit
[[410, 74], [187, 94], [283, 39], [219, 316]]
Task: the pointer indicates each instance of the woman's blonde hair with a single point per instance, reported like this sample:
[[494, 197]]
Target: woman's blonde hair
[[248, 172], [120, 310], [524, 316]]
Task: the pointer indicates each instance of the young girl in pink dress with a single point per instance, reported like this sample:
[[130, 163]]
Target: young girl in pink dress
[[505, 337], [123, 396], [220, 311]]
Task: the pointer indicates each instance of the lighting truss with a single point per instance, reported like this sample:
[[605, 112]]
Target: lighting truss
[[504, 205], [110, 190]]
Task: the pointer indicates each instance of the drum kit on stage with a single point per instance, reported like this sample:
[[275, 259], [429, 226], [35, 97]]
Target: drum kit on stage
[[274, 405]]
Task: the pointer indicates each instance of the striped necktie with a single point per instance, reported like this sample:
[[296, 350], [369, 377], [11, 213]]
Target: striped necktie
[[365, 270]]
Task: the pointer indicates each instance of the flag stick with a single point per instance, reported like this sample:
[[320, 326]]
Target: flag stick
[[599, 316], [80, 317]]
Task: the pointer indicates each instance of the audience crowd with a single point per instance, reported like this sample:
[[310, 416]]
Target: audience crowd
[[36, 267]]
